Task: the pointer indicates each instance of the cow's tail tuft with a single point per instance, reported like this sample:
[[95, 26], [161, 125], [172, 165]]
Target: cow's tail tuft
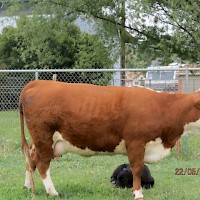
[[25, 146]]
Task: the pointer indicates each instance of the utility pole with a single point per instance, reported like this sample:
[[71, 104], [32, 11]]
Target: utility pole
[[122, 42]]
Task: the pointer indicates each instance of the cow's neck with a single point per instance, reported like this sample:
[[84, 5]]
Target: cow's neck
[[179, 118]]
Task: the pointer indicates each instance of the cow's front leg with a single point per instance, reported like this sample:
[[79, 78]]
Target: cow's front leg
[[136, 158], [137, 188]]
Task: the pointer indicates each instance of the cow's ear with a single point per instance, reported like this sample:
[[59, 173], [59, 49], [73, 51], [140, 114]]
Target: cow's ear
[[196, 99]]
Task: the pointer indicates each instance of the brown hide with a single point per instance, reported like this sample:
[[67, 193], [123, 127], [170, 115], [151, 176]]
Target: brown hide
[[100, 117]]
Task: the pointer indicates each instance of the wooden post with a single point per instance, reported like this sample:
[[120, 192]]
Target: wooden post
[[178, 142], [122, 53], [54, 77], [178, 148]]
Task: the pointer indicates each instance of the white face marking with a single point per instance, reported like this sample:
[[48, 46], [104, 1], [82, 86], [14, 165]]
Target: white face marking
[[192, 128], [155, 151], [48, 184], [138, 194], [28, 180], [61, 146]]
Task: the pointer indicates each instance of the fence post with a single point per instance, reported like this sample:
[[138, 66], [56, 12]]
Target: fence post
[[178, 143], [36, 74], [54, 77], [187, 91], [187, 80], [178, 148]]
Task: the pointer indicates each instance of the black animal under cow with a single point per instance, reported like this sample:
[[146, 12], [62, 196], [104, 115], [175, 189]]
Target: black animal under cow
[[123, 177]]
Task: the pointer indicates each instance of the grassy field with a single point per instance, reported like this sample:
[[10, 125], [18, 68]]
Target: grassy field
[[78, 178]]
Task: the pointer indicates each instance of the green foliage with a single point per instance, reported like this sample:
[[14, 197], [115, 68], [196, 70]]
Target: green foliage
[[173, 29], [91, 52], [158, 29], [135, 60], [39, 43], [50, 42], [8, 47]]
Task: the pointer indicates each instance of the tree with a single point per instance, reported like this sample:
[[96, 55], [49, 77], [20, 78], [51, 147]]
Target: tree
[[8, 49], [39, 43], [91, 52], [46, 42], [164, 29], [158, 28], [175, 27]]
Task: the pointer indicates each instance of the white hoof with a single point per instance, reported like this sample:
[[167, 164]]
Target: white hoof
[[138, 194], [28, 181], [49, 186], [53, 193]]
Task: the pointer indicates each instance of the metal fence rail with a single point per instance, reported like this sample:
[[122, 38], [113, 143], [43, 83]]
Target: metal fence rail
[[12, 81]]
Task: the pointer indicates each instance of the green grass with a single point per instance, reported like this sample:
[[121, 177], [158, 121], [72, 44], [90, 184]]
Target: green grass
[[78, 178]]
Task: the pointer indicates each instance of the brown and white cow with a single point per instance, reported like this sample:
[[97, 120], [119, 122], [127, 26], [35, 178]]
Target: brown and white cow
[[96, 120]]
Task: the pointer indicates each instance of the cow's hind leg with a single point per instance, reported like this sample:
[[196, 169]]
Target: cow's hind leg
[[29, 182], [30, 168], [44, 170], [44, 155]]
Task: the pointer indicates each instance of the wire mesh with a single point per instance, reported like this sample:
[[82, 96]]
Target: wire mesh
[[176, 80]]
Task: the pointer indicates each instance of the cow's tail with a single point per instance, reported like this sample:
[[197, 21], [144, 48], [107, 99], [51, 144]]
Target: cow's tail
[[25, 146]]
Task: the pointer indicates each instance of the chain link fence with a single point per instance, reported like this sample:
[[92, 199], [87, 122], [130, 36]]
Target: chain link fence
[[173, 80]]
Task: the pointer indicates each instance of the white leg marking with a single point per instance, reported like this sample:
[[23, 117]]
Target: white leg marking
[[49, 186], [28, 180], [138, 194]]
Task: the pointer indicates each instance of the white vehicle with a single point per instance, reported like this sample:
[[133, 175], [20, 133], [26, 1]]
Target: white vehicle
[[161, 78]]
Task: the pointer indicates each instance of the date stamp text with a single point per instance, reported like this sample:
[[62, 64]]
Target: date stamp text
[[187, 171]]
